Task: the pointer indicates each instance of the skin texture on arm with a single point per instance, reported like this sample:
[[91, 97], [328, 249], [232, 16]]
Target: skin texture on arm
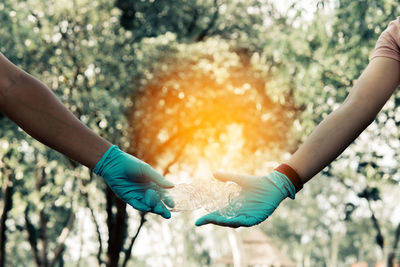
[[337, 131], [31, 105]]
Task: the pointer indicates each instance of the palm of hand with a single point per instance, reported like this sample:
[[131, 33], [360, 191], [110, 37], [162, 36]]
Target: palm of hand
[[259, 198]]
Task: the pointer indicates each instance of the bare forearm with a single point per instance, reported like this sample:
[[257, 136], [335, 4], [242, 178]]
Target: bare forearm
[[328, 141], [31, 105], [341, 128]]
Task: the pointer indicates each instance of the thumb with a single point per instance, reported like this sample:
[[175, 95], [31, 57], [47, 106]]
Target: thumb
[[240, 179], [152, 175], [208, 218]]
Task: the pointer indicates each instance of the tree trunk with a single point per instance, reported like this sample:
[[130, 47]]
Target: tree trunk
[[42, 240], [116, 227], [6, 205], [390, 261]]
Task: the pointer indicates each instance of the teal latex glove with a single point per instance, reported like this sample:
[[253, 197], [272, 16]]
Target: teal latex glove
[[134, 181], [259, 197]]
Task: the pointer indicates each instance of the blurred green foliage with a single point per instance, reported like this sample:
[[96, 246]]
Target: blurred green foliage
[[141, 72]]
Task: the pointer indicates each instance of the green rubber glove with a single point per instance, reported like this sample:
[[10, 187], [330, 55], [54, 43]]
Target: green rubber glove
[[134, 181], [259, 197]]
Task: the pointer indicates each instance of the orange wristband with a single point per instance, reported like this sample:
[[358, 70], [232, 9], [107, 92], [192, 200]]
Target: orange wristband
[[291, 174]]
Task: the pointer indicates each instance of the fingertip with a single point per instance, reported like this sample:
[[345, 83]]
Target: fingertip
[[161, 210], [168, 201], [202, 220], [239, 179], [199, 222], [221, 175], [166, 184], [166, 215]]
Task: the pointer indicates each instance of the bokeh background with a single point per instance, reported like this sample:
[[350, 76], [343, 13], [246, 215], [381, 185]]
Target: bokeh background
[[191, 86]]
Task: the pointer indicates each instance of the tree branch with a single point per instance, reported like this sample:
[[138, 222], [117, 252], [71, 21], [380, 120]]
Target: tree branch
[[390, 262], [379, 236], [192, 24], [85, 195], [178, 154], [32, 236], [210, 25], [43, 237], [62, 237], [6, 205], [128, 252]]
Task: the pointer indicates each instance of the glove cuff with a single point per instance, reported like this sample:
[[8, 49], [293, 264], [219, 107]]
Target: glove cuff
[[291, 174], [99, 168]]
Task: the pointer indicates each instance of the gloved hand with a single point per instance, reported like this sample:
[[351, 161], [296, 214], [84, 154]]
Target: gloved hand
[[134, 181], [260, 196]]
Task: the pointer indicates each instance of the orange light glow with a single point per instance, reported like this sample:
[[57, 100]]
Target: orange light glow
[[191, 119]]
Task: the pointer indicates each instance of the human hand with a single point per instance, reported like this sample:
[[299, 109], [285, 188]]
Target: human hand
[[134, 181], [259, 197]]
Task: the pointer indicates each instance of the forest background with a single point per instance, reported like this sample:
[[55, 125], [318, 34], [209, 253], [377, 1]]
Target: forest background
[[192, 86]]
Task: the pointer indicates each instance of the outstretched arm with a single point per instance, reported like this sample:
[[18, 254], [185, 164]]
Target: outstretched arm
[[261, 195], [33, 106], [334, 134]]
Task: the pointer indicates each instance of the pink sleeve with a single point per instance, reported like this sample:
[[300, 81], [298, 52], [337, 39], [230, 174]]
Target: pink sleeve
[[388, 44]]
